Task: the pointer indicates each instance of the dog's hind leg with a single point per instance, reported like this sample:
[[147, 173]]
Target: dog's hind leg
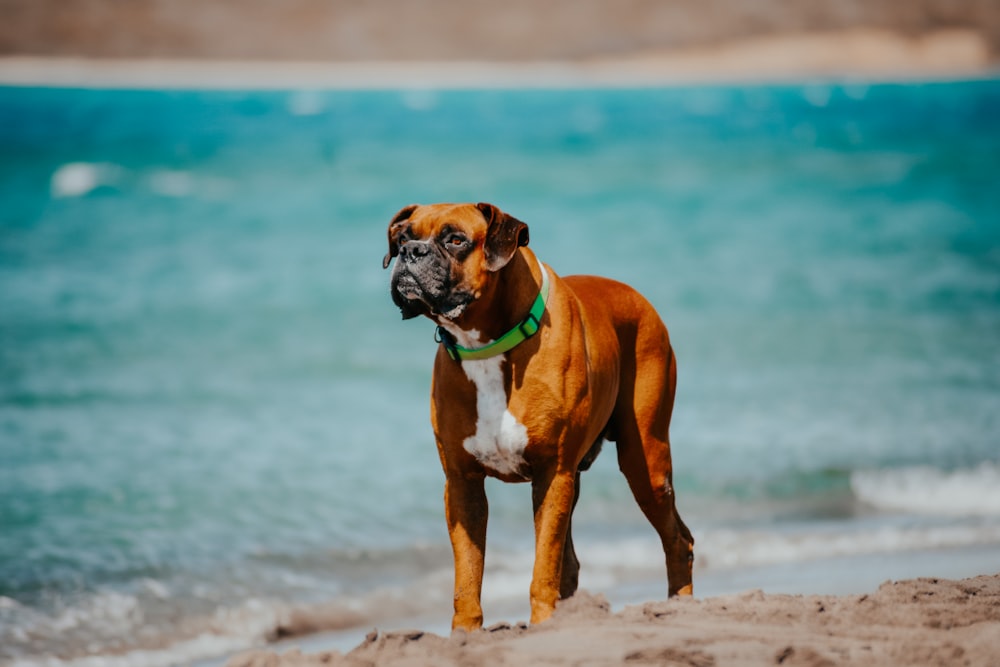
[[646, 464], [642, 420]]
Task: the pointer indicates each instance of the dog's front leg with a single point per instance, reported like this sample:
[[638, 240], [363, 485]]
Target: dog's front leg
[[552, 496], [466, 511]]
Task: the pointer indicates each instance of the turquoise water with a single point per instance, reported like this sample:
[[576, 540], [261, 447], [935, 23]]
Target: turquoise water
[[211, 416]]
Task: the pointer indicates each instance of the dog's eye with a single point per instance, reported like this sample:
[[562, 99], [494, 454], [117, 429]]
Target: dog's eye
[[456, 240]]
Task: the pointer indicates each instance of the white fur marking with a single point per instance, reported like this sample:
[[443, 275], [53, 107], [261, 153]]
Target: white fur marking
[[499, 440]]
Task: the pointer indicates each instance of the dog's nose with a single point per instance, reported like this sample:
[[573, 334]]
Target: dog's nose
[[414, 250]]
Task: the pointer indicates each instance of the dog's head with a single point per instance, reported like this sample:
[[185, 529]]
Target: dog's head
[[447, 255]]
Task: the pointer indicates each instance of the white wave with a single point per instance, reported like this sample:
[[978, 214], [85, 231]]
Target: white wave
[[508, 575], [109, 609], [171, 182], [157, 588], [205, 646], [118, 615], [732, 549], [605, 564], [930, 491], [76, 179]]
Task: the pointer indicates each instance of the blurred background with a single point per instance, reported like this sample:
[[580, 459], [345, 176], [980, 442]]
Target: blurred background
[[517, 30], [214, 426]]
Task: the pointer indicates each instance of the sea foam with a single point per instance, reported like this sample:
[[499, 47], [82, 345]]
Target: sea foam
[[76, 179], [928, 490]]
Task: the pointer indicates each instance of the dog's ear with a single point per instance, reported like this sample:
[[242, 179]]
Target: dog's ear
[[504, 235], [395, 227]]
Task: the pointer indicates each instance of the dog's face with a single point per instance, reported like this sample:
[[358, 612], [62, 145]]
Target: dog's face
[[447, 255]]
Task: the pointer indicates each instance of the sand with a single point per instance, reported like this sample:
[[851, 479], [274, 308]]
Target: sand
[[855, 54], [480, 43], [913, 622], [444, 30]]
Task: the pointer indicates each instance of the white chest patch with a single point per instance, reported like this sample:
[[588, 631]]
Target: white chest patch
[[499, 440]]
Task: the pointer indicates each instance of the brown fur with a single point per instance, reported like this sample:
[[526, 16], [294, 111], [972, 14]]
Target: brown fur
[[600, 365]]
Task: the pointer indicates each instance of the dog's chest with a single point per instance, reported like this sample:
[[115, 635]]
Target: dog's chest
[[500, 439]]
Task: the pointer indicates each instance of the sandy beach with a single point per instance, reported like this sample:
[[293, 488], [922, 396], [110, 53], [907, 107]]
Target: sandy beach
[[863, 54], [864, 610], [912, 622], [392, 44]]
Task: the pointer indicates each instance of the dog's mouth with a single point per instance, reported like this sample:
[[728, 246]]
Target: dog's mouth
[[455, 307], [407, 287], [428, 294]]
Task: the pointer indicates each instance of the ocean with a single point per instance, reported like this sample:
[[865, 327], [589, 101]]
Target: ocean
[[214, 426]]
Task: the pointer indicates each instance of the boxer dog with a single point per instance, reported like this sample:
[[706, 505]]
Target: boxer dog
[[532, 373]]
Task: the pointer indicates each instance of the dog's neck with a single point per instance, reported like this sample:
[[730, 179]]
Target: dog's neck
[[504, 303]]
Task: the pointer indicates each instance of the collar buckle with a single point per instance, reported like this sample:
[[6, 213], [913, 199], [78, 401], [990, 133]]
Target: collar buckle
[[529, 326], [443, 336]]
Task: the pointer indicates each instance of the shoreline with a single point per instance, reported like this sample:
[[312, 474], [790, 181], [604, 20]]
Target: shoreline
[[835, 578], [866, 55], [926, 621]]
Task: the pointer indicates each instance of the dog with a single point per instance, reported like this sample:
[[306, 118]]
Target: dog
[[533, 372]]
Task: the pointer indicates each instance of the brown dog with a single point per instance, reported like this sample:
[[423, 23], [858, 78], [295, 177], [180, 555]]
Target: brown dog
[[532, 373]]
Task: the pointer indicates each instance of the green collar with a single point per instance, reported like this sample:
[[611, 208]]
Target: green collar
[[524, 330]]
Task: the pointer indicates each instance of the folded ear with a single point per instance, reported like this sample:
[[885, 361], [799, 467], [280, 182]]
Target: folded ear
[[394, 228], [504, 235]]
